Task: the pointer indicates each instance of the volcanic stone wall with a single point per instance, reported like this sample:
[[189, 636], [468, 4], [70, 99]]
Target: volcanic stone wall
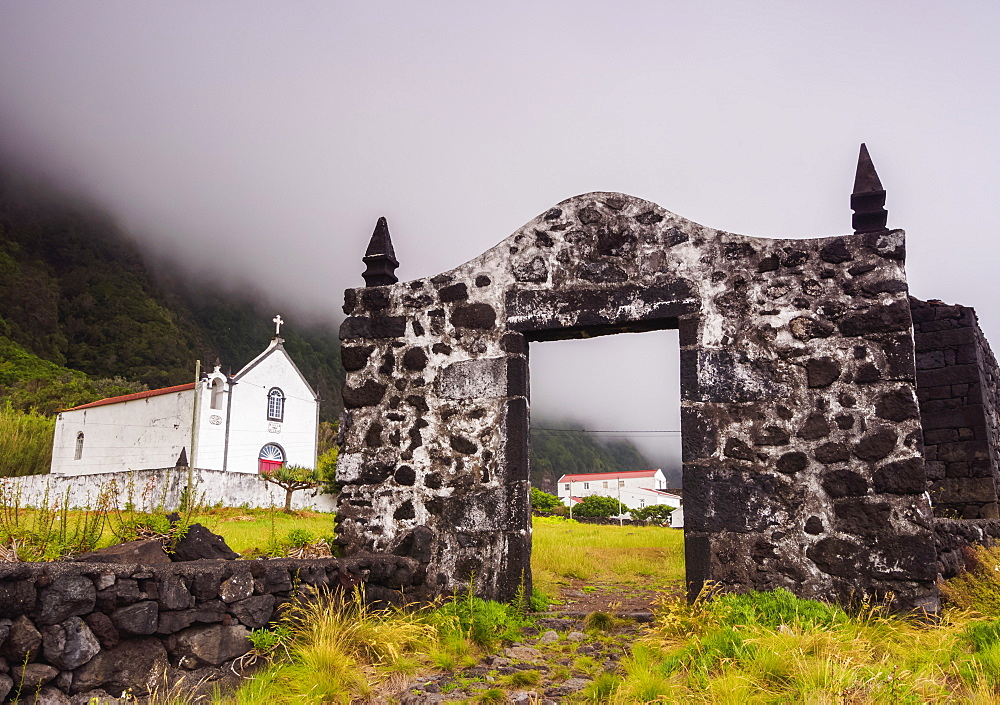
[[80, 627], [957, 385], [801, 433]]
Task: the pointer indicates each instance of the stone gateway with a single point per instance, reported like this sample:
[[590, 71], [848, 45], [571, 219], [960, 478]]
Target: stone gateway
[[802, 438]]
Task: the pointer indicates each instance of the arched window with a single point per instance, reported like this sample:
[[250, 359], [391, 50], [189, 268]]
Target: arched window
[[79, 446], [217, 394], [275, 404], [271, 458]]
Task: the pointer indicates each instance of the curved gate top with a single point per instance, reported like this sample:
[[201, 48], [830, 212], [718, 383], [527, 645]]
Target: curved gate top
[[801, 431]]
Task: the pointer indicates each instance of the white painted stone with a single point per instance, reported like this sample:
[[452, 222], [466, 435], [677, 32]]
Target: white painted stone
[[161, 489]]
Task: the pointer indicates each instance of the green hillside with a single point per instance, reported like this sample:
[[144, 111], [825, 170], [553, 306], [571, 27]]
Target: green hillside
[[555, 453], [78, 293]]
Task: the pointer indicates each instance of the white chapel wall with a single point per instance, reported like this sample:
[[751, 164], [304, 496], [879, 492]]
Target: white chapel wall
[[250, 429], [130, 435]]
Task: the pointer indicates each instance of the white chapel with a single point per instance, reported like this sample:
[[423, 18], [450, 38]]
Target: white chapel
[[264, 415]]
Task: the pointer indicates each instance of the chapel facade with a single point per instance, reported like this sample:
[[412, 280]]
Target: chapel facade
[[265, 415]]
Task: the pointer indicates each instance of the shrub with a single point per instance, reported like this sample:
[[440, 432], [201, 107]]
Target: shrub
[[658, 513], [326, 469], [599, 506], [49, 532], [267, 641], [543, 501], [297, 538], [539, 601]]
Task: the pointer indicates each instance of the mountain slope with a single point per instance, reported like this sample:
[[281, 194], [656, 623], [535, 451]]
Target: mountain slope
[[78, 292], [558, 452]]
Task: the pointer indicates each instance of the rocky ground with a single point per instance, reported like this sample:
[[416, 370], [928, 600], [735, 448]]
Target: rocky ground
[[555, 662]]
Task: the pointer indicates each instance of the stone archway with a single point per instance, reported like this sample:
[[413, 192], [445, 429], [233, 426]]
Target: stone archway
[[801, 434]]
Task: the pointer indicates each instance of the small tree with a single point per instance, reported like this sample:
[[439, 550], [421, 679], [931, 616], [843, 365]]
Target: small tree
[[326, 470], [659, 513], [291, 478], [543, 501], [599, 506]]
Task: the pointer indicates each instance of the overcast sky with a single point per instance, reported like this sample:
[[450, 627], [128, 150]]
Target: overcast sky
[[259, 142]]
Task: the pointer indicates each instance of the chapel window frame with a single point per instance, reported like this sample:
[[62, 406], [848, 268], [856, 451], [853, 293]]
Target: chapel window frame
[[217, 390], [78, 450], [275, 404]]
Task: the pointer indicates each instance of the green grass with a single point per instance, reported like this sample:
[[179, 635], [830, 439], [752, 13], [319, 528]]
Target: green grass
[[757, 648], [25, 442], [563, 549], [774, 647], [332, 652], [339, 653], [248, 529], [49, 534]]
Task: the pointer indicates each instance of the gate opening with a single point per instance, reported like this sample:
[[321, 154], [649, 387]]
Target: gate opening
[[605, 424]]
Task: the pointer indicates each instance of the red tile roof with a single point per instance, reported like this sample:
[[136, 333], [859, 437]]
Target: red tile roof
[[663, 492], [588, 476], [137, 395]]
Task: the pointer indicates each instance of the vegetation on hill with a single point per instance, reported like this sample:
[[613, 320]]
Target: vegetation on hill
[[32, 385], [79, 293], [25, 442], [574, 450]]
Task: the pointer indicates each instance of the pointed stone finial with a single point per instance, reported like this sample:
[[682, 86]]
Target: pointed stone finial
[[868, 199], [380, 258]]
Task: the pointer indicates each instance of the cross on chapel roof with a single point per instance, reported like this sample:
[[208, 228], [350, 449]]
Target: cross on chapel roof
[[277, 325]]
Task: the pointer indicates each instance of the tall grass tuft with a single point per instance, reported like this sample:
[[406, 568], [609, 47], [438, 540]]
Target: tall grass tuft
[[483, 622], [775, 647], [338, 652], [978, 588], [25, 442]]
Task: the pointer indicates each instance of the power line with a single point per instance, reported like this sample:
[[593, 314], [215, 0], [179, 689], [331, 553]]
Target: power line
[[584, 430]]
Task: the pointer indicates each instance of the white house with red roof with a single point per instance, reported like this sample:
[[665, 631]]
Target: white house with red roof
[[264, 415], [635, 489]]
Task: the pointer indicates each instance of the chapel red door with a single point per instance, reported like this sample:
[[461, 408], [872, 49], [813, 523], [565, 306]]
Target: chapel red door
[[271, 458], [269, 465]]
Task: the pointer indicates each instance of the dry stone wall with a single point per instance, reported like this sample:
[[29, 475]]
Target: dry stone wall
[[957, 384], [92, 628], [801, 431]]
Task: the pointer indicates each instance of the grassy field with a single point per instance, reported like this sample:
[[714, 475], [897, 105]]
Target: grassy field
[[725, 648], [246, 530], [757, 648], [48, 535], [563, 550]]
